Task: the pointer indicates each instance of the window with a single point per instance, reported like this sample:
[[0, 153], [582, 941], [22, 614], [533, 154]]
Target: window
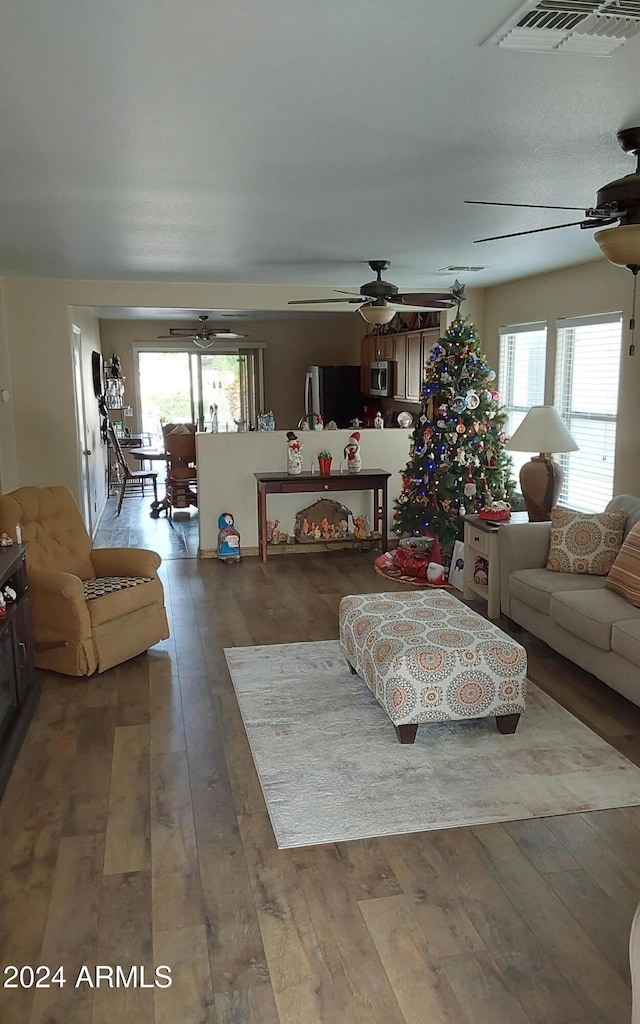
[[216, 390], [523, 350], [586, 395]]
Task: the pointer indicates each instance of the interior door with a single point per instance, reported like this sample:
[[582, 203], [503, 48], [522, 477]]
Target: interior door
[[84, 452]]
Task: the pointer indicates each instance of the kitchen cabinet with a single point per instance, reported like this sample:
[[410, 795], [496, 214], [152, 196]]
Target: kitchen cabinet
[[411, 351]]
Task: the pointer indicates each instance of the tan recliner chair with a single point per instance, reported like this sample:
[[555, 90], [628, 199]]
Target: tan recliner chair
[[75, 632]]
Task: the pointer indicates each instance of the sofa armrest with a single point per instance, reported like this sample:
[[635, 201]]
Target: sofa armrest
[[520, 546], [125, 562], [58, 609]]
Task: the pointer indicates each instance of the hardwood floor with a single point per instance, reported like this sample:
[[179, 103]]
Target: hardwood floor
[[134, 833]]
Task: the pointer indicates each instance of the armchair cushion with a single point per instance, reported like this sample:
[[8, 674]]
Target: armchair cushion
[[101, 585]]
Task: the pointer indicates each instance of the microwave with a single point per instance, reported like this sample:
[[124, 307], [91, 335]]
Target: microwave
[[380, 378]]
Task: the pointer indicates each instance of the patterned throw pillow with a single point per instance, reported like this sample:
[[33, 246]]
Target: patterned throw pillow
[[101, 585], [583, 543], [624, 577]]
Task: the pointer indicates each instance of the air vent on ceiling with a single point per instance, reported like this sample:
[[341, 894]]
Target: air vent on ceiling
[[465, 270], [591, 27]]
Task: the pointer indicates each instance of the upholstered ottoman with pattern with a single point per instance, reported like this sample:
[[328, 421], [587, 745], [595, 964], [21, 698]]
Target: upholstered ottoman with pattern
[[426, 657]]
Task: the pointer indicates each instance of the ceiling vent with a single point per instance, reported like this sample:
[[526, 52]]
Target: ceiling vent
[[466, 270], [591, 27]]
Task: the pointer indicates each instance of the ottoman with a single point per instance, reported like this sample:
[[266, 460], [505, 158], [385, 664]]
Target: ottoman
[[426, 657]]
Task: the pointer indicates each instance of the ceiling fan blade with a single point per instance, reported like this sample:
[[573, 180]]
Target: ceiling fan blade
[[423, 297], [534, 231], [528, 206], [180, 332], [402, 307], [310, 302]]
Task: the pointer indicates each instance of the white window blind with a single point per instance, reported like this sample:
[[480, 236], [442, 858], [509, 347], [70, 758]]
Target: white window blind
[[586, 395], [523, 353]]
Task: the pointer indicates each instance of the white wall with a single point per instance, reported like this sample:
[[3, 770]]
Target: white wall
[[227, 462]]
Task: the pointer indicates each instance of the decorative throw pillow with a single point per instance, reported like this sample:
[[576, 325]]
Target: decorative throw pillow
[[584, 543], [624, 577]]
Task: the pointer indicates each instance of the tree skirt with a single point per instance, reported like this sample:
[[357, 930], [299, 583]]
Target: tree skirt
[[388, 565]]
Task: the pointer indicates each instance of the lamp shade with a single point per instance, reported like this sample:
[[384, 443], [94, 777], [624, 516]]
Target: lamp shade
[[542, 430], [377, 314], [620, 245]]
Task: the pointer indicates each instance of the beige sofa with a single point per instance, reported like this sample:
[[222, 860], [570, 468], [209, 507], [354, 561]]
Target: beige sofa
[[575, 614]]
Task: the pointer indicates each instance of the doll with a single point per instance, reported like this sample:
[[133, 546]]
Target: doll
[[228, 539]]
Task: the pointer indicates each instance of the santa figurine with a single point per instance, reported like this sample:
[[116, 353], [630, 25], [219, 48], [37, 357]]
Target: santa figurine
[[352, 453], [294, 454], [228, 539]]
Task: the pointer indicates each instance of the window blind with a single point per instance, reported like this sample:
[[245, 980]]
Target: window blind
[[523, 353], [586, 395]]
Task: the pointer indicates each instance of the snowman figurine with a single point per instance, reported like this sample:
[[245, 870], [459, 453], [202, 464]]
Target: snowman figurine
[[352, 453], [294, 454]]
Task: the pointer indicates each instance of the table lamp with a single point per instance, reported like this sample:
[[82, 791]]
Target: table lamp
[[542, 430]]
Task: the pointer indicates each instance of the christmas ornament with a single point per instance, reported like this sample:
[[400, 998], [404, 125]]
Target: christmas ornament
[[473, 400], [491, 375], [469, 487], [460, 428], [495, 396], [459, 404]]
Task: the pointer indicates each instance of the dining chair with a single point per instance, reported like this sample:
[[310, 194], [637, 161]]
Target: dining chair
[[182, 478], [130, 477]]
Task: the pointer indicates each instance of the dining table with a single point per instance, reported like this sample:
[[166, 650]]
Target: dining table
[[148, 453]]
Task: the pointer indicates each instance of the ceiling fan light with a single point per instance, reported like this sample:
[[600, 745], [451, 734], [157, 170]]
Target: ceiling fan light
[[620, 245], [377, 314]]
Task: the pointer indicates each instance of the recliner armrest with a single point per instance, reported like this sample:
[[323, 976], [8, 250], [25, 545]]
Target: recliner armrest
[[125, 562], [58, 607], [520, 546]]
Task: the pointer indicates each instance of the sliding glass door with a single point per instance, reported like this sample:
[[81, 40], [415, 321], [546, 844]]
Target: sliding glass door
[[217, 391]]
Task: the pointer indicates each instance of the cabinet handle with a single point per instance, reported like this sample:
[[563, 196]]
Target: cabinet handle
[[23, 655], [86, 451]]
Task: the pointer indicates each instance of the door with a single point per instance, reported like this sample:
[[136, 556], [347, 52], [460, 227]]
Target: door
[[84, 452]]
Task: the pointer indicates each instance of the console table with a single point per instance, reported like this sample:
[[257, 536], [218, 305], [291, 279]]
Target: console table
[[374, 480]]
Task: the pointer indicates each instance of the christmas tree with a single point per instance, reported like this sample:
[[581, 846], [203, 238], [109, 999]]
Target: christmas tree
[[457, 462]]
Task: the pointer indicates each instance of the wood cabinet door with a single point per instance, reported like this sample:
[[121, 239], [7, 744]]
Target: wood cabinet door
[[400, 358], [413, 367]]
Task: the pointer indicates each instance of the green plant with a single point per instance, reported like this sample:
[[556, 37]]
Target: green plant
[[324, 454]]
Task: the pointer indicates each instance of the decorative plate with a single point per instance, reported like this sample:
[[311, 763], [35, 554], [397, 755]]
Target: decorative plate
[[405, 419]]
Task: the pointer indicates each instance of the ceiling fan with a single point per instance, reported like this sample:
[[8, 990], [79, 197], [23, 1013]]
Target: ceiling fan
[[617, 202], [379, 301], [203, 336]]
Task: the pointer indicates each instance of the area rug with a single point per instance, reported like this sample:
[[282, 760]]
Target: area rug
[[331, 768]]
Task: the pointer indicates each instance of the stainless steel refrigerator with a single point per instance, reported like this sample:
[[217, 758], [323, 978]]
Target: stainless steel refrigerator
[[334, 393]]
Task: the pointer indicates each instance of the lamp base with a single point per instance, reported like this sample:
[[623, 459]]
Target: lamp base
[[540, 482]]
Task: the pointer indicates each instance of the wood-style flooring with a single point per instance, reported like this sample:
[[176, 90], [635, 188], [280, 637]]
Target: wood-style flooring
[[133, 832]]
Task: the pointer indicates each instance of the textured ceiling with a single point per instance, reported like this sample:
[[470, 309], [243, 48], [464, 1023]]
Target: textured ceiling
[[284, 143]]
